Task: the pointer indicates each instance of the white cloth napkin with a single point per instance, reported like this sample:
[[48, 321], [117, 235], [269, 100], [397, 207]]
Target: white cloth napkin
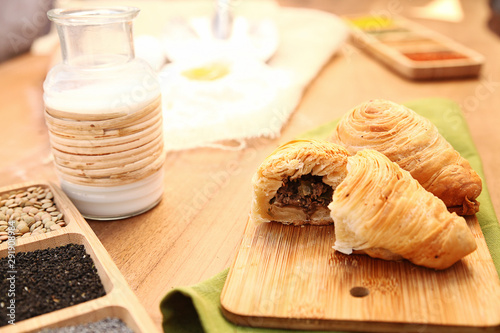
[[256, 102]]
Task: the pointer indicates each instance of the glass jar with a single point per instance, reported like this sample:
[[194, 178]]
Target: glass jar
[[104, 116]]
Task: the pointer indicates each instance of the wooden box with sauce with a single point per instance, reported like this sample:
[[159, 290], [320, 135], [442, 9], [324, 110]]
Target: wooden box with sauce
[[411, 50]]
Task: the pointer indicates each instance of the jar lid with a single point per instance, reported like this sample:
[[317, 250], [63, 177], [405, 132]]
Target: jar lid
[[85, 16]]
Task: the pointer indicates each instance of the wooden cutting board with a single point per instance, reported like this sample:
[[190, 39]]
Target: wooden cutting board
[[291, 277]]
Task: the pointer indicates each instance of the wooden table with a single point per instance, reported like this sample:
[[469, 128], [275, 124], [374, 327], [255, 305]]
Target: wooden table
[[195, 231]]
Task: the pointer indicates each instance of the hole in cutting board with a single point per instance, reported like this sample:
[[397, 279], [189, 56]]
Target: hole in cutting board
[[359, 291]]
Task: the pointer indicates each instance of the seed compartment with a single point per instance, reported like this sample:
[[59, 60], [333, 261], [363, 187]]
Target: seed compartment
[[114, 312], [30, 211], [49, 279]]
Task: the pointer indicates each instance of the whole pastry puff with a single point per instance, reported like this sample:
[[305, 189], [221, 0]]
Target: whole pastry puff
[[415, 144], [295, 184], [381, 210]]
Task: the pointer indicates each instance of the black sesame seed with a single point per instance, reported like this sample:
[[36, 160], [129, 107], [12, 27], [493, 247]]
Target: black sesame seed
[[49, 279]]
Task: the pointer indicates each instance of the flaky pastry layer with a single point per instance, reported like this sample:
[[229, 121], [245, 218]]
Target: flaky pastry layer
[[381, 210], [415, 144], [291, 161]]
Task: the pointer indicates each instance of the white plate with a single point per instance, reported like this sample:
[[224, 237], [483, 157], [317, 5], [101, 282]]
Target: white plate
[[191, 38]]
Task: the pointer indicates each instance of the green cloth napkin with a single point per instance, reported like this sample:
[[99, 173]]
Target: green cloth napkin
[[197, 308]]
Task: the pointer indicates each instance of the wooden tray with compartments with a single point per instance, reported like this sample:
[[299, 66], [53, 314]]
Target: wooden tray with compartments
[[412, 50], [119, 301]]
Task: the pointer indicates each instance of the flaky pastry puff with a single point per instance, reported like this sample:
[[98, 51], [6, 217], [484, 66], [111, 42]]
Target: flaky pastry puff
[[295, 184], [415, 144], [381, 210]]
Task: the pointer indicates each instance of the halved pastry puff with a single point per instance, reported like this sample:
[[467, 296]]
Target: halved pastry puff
[[295, 184], [381, 210], [415, 144]]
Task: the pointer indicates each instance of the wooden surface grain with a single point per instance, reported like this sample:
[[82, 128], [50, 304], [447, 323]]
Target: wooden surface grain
[[291, 277], [195, 231]]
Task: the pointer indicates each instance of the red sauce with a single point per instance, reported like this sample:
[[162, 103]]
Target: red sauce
[[430, 56]]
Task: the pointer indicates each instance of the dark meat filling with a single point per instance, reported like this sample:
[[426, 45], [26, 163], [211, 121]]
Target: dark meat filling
[[307, 192]]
